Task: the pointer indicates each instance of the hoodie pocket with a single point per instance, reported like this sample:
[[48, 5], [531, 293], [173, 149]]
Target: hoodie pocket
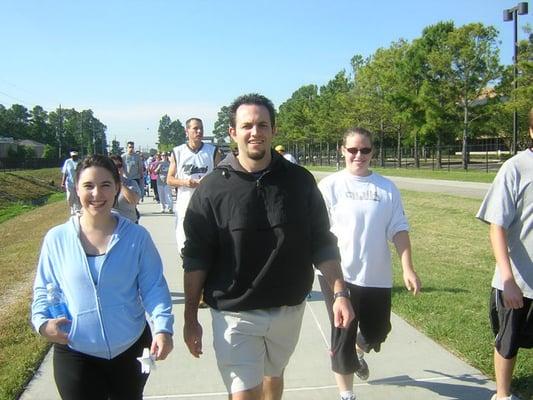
[[123, 323], [86, 333]]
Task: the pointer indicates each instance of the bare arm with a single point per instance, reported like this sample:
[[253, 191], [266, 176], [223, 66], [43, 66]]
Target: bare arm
[[131, 196], [403, 247], [343, 312], [192, 330], [512, 295], [218, 157]]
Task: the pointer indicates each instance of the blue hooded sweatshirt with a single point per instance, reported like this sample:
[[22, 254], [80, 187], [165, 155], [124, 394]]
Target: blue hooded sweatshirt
[[109, 316]]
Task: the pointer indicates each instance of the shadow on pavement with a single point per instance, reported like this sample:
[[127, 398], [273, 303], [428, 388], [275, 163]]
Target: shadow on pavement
[[446, 390]]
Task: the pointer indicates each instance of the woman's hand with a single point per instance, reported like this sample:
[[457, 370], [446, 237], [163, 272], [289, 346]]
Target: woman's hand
[[51, 330], [411, 281], [162, 345]]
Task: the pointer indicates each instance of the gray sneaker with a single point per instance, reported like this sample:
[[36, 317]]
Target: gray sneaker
[[348, 398], [362, 372]]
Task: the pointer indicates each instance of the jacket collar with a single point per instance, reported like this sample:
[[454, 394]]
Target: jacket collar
[[232, 162]]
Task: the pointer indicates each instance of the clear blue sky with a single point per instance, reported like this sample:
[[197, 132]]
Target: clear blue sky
[[133, 61]]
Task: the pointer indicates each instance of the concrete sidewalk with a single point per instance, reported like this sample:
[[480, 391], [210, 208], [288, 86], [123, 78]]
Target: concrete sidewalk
[[409, 367]]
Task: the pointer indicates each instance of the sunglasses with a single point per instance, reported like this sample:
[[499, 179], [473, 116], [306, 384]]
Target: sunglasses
[[355, 150]]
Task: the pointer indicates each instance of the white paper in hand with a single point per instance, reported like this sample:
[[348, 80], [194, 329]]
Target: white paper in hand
[[147, 361]]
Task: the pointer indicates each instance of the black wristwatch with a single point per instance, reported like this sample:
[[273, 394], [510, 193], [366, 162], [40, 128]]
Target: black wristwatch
[[341, 293]]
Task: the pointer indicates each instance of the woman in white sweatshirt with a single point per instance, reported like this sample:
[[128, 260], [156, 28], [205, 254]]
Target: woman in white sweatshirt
[[366, 212]]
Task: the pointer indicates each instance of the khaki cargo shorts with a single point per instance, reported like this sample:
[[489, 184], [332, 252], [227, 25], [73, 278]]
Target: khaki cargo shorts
[[252, 344]]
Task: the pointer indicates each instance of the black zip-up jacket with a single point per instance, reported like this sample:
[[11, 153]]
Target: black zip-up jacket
[[257, 238]]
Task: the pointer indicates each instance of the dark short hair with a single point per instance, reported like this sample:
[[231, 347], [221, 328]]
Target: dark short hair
[[188, 122], [98, 160], [117, 160], [357, 130], [127, 144], [252, 99]]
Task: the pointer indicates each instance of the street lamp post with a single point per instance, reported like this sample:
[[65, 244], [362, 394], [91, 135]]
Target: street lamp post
[[512, 14]]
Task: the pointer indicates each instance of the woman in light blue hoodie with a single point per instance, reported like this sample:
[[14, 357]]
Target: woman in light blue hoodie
[[110, 274]]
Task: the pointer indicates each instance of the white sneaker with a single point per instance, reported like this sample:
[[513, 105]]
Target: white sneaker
[[511, 397], [348, 398]]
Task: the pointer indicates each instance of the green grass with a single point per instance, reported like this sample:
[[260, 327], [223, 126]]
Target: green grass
[[22, 191], [28, 187], [15, 209], [452, 255], [453, 175], [21, 349]]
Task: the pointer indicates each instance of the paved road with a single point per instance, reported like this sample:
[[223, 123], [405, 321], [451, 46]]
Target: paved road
[[409, 367]]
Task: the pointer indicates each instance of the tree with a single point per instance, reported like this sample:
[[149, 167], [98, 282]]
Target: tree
[[177, 134], [49, 152], [16, 123], [471, 64], [437, 118], [381, 98], [334, 109], [39, 128], [297, 116], [171, 133], [221, 128], [164, 133], [115, 148], [518, 99]]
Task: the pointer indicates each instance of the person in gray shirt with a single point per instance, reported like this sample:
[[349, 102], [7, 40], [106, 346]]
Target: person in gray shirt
[[508, 208], [129, 195], [133, 165]]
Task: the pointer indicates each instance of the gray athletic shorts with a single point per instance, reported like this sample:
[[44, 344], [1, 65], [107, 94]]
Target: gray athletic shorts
[[250, 345]]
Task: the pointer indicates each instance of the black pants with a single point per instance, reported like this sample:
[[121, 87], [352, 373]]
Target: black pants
[[372, 308], [153, 184], [79, 376]]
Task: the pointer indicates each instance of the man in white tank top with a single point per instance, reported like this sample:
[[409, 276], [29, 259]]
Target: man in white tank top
[[189, 163]]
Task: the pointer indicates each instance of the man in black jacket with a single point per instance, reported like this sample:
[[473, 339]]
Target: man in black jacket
[[254, 228]]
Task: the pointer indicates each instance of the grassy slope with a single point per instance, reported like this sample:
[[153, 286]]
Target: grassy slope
[[21, 350], [22, 226]]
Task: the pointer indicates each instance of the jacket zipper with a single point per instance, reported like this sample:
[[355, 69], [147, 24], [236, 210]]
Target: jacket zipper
[[96, 290]]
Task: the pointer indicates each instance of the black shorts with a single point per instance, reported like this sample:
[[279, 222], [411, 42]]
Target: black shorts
[[80, 376], [372, 308], [513, 328]]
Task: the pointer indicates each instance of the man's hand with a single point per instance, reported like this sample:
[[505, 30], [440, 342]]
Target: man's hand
[[512, 295], [412, 282], [192, 335], [51, 330], [162, 345], [191, 183], [343, 312]]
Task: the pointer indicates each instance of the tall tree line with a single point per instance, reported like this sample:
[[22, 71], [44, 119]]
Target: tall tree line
[[446, 87], [61, 130]]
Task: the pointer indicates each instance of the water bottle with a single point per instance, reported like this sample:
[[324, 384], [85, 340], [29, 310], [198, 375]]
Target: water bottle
[[56, 305]]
